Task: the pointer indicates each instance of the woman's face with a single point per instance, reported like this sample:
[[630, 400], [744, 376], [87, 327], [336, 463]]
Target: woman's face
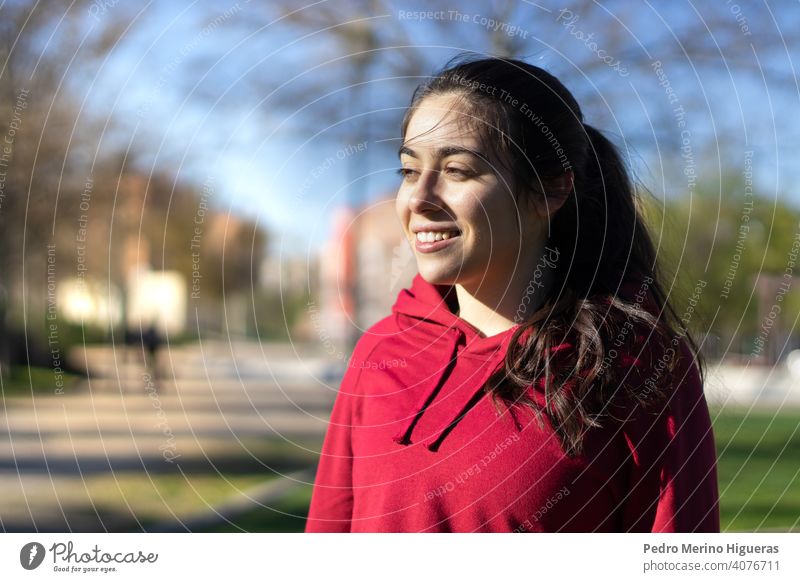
[[456, 207]]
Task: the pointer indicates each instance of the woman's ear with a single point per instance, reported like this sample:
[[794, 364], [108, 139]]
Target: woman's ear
[[557, 190]]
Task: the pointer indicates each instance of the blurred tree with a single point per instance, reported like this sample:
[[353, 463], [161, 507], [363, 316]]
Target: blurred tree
[[43, 134], [601, 50], [719, 242], [344, 72], [74, 200], [231, 248]]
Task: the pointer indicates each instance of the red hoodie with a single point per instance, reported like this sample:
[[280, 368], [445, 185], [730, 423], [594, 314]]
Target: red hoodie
[[416, 445]]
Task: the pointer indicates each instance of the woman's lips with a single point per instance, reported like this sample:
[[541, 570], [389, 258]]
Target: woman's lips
[[432, 247]]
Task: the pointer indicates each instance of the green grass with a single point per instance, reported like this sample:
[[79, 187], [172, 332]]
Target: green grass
[[155, 498], [285, 515], [130, 501], [27, 380], [759, 469]]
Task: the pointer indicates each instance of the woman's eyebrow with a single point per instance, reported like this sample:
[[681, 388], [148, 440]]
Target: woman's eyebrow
[[443, 152]]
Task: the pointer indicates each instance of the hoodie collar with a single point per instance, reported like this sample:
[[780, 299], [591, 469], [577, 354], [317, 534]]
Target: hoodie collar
[[431, 307]]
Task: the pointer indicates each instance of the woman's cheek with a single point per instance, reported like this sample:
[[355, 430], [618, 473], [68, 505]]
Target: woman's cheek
[[401, 208]]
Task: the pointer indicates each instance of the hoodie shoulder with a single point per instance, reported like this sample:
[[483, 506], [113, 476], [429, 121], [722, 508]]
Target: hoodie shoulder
[[373, 336], [386, 325]]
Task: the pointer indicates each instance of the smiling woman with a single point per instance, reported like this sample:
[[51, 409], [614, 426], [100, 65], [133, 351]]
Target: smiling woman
[[550, 386]]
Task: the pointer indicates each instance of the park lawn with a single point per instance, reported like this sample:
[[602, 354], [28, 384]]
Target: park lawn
[[138, 499], [287, 514], [759, 469], [29, 380], [132, 500]]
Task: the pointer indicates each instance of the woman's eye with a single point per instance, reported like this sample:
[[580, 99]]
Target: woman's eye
[[406, 172], [458, 172]]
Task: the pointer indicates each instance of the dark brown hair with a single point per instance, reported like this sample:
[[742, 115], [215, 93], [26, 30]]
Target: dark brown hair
[[535, 128]]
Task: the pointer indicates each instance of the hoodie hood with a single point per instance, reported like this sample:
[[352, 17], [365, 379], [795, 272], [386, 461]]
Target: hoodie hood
[[427, 310]]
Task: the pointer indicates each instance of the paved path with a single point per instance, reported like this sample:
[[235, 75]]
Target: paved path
[[224, 409]]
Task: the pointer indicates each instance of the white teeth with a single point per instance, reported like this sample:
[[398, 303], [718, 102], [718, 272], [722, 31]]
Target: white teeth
[[428, 237]]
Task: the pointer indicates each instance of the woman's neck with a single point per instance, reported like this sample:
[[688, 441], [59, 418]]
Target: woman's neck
[[495, 305]]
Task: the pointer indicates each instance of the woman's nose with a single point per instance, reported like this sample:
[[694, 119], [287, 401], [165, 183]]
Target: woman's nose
[[426, 195]]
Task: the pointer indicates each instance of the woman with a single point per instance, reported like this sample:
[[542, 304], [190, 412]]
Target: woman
[[534, 377]]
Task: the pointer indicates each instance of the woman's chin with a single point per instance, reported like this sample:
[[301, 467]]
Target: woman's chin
[[438, 276]]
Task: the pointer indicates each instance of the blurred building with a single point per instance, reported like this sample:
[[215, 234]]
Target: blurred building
[[289, 274], [385, 261], [333, 317], [366, 262]]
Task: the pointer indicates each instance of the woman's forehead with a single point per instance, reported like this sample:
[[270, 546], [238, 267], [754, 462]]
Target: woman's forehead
[[440, 121]]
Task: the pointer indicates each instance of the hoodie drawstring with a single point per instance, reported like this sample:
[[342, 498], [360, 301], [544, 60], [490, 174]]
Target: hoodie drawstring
[[403, 437], [433, 444]]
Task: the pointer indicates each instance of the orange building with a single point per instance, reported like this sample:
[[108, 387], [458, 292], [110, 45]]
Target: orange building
[[362, 268]]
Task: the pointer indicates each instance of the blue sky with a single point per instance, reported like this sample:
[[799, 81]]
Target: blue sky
[[265, 167]]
